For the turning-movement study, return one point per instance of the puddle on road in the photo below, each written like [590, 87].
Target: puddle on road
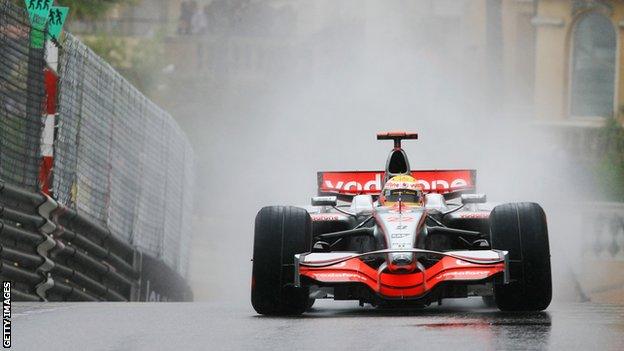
[482, 324]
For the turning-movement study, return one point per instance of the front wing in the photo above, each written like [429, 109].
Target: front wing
[347, 267]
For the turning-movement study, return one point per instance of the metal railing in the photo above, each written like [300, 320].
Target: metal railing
[603, 230]
[52, 253]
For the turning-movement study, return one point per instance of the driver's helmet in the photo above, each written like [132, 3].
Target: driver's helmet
[404, 188]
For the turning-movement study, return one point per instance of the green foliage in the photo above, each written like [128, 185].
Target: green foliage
[136, 59]
[91, 9]
[139, 60]
[610, 170]
[87, 9]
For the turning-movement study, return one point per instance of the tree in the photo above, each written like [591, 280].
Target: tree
[87, 10]
[93, 9]
[135, 58]
[610, 168]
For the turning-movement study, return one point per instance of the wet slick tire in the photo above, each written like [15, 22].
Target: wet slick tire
[521, 229]
[280, 233]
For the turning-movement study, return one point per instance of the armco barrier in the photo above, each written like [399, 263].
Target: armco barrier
[159, 284]
[600, 274]
[52, 253]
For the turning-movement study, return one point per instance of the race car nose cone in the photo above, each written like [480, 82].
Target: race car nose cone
[401, 260]
[402, 263]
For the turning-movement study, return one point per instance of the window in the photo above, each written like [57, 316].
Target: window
[593, 66]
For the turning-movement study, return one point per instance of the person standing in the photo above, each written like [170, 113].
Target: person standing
[199, 21]
[186, 15]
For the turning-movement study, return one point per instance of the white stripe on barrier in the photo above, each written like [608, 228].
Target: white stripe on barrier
[47, 137]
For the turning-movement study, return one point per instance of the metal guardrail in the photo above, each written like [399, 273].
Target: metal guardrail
[603, 230]
[52, 253]
[587, 241]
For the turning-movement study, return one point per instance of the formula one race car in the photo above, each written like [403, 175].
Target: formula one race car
[400, 238]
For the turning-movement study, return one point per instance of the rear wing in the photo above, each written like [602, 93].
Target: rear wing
[348, 184]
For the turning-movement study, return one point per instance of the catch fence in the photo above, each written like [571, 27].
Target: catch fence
[120, 159]
[21, 98]
[121, 169]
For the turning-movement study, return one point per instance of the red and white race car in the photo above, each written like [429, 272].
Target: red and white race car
[400, 238]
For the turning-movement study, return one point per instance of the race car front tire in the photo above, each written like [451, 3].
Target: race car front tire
[280, 233]
[521, 229]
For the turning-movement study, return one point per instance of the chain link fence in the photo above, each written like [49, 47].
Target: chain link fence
[120, 159]
[22, 97]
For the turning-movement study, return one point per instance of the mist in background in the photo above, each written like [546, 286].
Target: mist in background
[270, 100]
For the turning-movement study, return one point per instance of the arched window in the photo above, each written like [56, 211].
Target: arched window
[593, 66]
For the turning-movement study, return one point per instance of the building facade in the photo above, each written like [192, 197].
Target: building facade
[564, 57]
[551, 60]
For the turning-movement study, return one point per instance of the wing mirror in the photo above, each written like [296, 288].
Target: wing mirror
[473, 199]
[324, 201]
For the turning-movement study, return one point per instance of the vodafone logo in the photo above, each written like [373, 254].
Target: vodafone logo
[462, 263]
[371, 182]
[339, 276]
[325, 217]
[375, 185]
[443, 184]
[474, 215]
[467, 274]
[354, 186]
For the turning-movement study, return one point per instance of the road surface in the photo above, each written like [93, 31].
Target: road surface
[331, 326]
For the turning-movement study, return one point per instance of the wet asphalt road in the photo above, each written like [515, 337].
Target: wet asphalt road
[331, 326]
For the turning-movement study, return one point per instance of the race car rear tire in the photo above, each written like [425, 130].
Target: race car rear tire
[521, 229]
[280, 233]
